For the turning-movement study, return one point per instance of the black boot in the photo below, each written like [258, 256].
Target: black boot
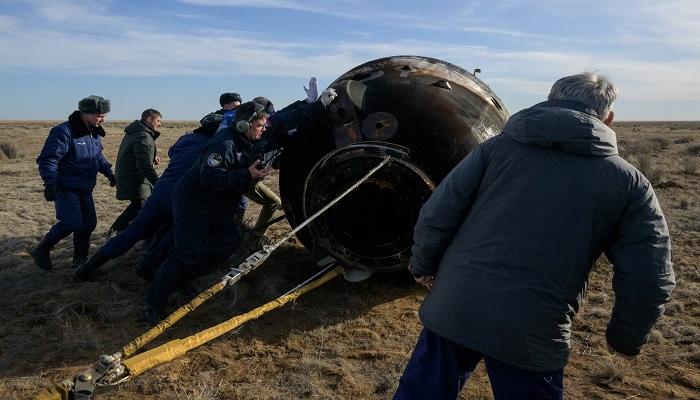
[79, 258]
[42, 255]
[84, 273]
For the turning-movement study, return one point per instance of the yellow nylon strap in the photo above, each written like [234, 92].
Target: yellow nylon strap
[175, 348]
[153, 333]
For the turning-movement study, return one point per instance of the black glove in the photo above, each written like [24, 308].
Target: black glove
[50, 192]
[112, 180]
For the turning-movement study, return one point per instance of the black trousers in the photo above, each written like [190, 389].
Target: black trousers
[129, 213]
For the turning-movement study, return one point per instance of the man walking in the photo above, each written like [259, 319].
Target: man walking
[155, 218]
[136, 173]
[68, 165]
[506, 243]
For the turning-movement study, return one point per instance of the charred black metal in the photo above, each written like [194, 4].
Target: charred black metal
[426, 113]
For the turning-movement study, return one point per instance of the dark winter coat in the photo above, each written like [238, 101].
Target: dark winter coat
[72, 155]
[512, 232]
[136, 174]
[220, 176]
[182, 155]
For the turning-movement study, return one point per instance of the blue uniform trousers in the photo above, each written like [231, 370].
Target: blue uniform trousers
[154, 215]
[203, 239]
[157, 252]
[439, 368]
[75, 212]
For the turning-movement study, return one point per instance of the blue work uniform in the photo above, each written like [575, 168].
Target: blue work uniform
[70, 160]
[207, 198]
[229, 117]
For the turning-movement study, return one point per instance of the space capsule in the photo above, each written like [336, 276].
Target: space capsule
[425, 113]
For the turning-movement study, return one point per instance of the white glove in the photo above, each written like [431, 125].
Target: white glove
[327, 96]
[312, 91]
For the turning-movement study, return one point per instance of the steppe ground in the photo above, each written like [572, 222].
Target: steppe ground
[343, 340]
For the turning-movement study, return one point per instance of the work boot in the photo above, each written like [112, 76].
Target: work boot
[42, 255]
[84, 273]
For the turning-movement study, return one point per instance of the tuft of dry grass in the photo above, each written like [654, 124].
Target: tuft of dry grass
[684, 139]
[674, 308]
[206, 389]
[655, 337]
[686, 203]
[687, 330]
[646, 165]
[663, 142]
[630, 148]
[9, 150]
[608, 374]
[693, 150]
[690, 165]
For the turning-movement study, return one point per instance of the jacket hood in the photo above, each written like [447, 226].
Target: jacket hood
[140, 126]
[79, 129]
[564, 125]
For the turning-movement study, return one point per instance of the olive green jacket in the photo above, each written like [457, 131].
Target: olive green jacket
[134, 168]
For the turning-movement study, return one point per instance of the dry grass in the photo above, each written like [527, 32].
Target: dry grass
[343, 340]
[690, 165]
[638, 147]
[645, 163]
[8, 150]
[663, 142]
[608, 374]
[683, 140]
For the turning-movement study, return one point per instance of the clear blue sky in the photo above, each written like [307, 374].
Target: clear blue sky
[178, 56]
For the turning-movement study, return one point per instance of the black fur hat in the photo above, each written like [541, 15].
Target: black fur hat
[229, 98]
[94, 105]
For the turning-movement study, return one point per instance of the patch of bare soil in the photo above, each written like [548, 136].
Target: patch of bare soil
[343, 340]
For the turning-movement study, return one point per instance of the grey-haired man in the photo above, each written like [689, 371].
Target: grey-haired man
[507, 241]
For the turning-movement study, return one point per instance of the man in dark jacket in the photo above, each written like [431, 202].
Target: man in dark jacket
[506, 243]
[136, 174]
[68, 165]
[207, 198]
[204, 204]
[155, 218]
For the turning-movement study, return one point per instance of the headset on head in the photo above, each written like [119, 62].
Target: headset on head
[243, 125]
